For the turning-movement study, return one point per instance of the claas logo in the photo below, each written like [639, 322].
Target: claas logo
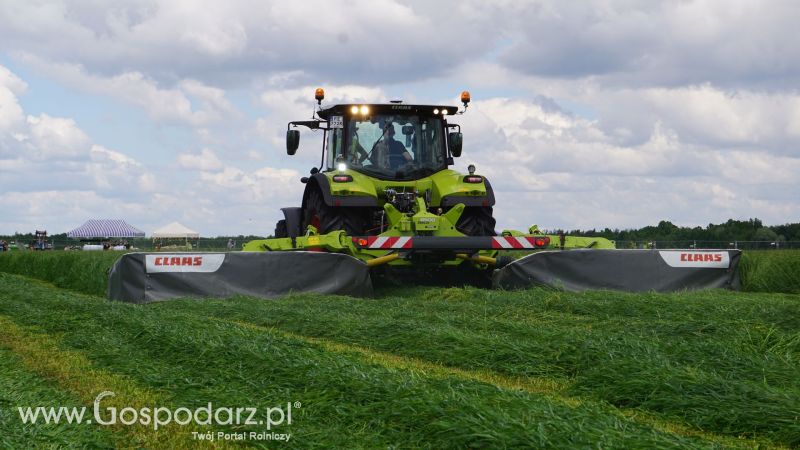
[701, 257]
[179, 261]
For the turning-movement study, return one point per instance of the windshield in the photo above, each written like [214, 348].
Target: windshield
[397, 147]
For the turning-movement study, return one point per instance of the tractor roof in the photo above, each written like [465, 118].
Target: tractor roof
[388, 108]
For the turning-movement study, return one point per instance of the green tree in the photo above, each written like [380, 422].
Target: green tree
[765, 234]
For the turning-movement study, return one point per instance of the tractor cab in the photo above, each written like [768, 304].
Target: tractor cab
[390, 142]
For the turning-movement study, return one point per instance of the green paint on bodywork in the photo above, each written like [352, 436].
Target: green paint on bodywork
[420, 222]
[441, 184]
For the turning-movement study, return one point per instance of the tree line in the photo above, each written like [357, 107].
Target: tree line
[732, 230]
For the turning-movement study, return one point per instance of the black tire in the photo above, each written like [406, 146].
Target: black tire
[280, 229]
[329, 218]
[477, 221]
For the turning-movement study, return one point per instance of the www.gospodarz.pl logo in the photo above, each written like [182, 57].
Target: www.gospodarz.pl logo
[159, 416]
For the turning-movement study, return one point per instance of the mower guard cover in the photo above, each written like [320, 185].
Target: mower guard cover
[148, 277]
[623, 270]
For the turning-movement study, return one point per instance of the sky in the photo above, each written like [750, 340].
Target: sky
[584, 115]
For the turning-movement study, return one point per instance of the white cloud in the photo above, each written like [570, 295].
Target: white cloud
[730, 43]
[118, 173]
[206, 160]
[12, 118]
[566, 172]
[179, 40]
[56, 177]
[211, 99]
[55, 137]
[12, 82]
[260, 185]
[47, 153]
[704, 115]
[166, 105]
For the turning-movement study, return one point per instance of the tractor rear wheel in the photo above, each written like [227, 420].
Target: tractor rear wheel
[477, 221]
[280, 229]
[330, 218]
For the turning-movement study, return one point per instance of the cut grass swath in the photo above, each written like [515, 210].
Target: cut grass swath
[73, 372]
[553, 390]
[719, 361]
[20, 387]
[346, 401]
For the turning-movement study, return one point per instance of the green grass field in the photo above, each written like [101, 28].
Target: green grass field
[413, 367]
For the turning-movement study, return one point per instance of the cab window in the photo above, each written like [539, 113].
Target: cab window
[334, 147]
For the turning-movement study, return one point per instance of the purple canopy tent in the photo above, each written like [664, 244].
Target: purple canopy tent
[105, 228]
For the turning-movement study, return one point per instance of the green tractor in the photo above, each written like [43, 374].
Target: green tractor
[387, 193]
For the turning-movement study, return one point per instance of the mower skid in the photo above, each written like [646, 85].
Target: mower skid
[623, 270]
[451, 242]
[148, 277]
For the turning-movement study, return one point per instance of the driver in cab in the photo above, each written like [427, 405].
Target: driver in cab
[397, 154]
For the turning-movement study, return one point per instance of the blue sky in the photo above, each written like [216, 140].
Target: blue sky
[584, 115]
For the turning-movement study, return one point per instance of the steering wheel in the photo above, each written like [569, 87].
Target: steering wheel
[409, 165]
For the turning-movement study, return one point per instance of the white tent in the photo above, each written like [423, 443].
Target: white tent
[175, 230]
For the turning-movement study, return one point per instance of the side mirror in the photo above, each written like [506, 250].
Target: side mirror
[292, 141]
[454, 141]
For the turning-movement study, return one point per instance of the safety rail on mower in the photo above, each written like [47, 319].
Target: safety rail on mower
[464, 248]
[451, 243]
[378, 250]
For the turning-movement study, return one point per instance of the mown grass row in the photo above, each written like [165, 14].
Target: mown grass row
[72, 372]
[347, 401]
[770, 271]
[720, 361]
[20, 387]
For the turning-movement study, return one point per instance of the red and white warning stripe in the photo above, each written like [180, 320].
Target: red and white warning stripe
[516, 242]
[444, 243]
[389, 242]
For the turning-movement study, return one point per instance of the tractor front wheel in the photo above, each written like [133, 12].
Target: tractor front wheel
[280, 229]
[477, 221]
[327, 218]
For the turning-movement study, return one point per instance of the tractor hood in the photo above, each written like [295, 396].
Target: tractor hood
[447, 188]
